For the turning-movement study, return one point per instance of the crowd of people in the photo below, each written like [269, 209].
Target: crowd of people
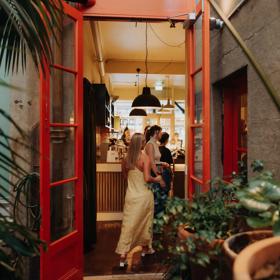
[147, 171]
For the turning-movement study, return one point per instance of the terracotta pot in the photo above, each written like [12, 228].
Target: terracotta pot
[243, 238]
[184, 234]
[255, 256]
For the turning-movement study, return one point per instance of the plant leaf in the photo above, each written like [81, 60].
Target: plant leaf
[276, 228]
[255, 222]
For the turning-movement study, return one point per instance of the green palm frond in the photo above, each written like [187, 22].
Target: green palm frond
[27, 25]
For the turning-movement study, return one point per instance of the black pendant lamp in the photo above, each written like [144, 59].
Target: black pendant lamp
[146, 100]
[137, 112]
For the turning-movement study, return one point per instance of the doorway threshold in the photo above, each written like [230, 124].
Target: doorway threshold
[140, 276]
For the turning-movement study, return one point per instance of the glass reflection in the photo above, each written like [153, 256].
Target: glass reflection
[198, 151]
[198, 117]
[62, 86]
[62, 210]
[62, 153]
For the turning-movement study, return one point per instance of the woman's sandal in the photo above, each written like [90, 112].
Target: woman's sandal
[123, 262]
[145, 252]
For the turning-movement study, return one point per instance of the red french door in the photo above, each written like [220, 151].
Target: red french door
[235, 124]
[199, 100]
[61, 148]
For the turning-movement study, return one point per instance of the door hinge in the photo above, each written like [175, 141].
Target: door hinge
[191, 17]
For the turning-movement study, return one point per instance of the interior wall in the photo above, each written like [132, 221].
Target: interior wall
[258, 24]
[91, 71]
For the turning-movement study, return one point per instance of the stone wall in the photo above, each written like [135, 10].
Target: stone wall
[257, 22]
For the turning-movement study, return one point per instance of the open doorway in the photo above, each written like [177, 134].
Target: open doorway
[113, 51]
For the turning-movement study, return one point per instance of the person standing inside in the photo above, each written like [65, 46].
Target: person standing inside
[166, 156]
[126, 136]
[139, 202]
[146, 133]
[165, 152]
[153, 152]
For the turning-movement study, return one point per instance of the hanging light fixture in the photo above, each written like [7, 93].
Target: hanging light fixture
[168, 106]
[163, 111]
[137, 112]
[146, 100]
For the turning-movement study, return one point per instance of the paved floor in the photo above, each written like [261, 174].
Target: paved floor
[144, 276]
[103, 261]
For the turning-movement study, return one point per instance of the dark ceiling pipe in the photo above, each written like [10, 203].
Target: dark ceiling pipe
[179, 107]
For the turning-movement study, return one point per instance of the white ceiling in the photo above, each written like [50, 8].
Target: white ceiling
[125, 42]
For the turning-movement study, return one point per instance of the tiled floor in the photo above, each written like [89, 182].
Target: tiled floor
[103, 261]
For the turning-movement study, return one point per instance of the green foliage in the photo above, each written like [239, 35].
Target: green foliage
[261, 198]
[17, 239]
[27, 25]
[208, 217]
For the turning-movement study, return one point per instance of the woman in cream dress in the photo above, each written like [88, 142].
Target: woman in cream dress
[139, 201]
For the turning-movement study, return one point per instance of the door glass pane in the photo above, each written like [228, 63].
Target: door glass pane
[198, 42]
[64, 52]
[62, 153]
[242, 133]
[198, 167]
[62, 210]
[62, 87]
[198, 117]
[197, 188]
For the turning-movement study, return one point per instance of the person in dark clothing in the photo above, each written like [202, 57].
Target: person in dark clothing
[165, 152]
[126, 136]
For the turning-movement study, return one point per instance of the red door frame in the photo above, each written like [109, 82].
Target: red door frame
[144, 9]
[56, 261]
[202, 9]
[232, 92]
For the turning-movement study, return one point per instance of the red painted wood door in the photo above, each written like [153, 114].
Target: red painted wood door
[235, 112]
[61, 150]
[198, 57]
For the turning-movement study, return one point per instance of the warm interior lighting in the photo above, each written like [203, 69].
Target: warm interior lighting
[158, 85]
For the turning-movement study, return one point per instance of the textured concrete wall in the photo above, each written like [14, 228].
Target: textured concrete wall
[257, 22]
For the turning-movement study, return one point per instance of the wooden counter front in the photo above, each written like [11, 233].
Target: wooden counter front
[111, 188]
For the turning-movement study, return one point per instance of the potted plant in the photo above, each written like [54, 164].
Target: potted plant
[259, 261]
[258, 199]
[201, 224]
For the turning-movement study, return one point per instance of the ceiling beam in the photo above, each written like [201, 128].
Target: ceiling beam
[154, 67]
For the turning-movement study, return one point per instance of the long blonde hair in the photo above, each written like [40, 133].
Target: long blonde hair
[134, 150]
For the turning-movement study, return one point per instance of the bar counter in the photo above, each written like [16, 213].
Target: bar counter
[111, 188]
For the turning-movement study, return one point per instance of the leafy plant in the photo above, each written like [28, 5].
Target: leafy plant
[26, 28]
[27, 25]
[261, 197]
[209, 217]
